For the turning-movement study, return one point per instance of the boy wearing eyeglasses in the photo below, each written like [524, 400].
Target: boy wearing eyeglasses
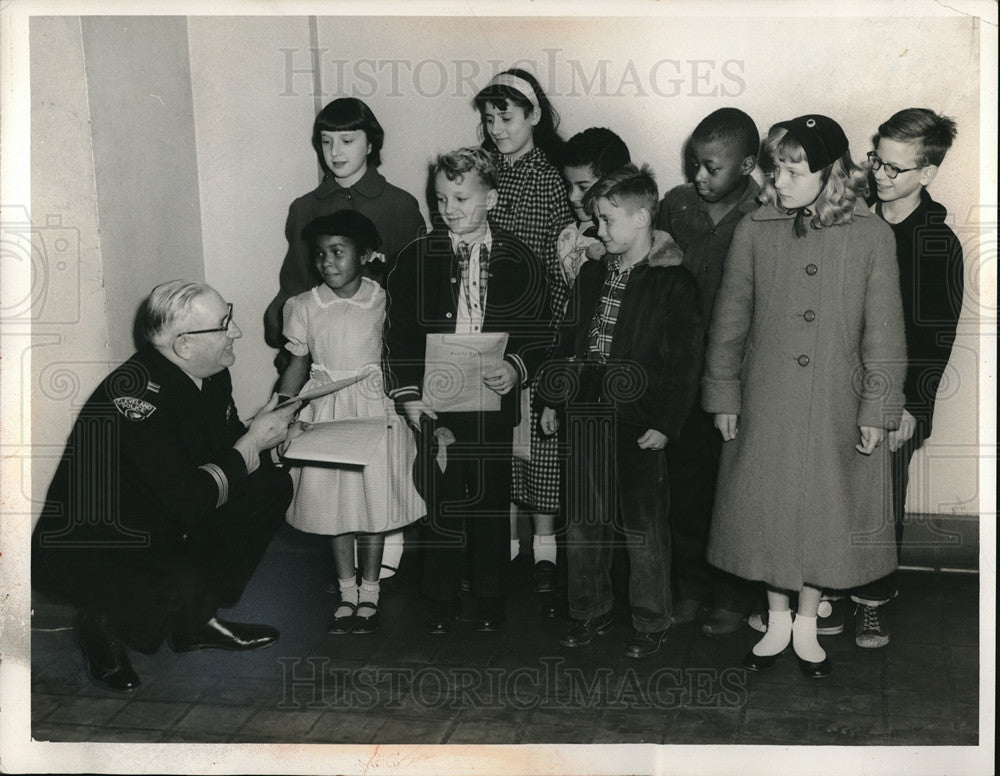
[909, 149]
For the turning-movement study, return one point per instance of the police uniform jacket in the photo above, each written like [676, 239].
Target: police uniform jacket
[149, 460]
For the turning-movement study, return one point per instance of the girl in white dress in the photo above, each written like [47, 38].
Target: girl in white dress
[334, 331]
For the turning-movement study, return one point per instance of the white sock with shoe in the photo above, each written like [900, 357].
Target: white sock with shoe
[348, 597]
[804, 640]
[779, 633]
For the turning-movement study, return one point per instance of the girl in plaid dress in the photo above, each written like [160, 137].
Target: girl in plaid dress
[519, 129]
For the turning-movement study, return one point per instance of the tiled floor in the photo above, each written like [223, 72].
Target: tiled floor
[520, 686]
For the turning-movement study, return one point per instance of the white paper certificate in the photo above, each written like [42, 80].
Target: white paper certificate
[353, 441]
[454, 366]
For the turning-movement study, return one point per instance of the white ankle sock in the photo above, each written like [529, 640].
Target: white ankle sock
[804, 640]
[348, 595]
[368, 594]
[515, 548]
[544, 548]
[779, 633]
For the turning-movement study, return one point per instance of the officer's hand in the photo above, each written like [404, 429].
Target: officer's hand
[270, 426]
[293, 431]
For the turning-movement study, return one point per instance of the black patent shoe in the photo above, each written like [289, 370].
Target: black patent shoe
[643, 644]
[820, 670]
[582, 632]
[490, 616]
[107, 661]
[341, 626]
[232, 636]
[545, 576]
[755, 662]
[370, 621]
[443, 618]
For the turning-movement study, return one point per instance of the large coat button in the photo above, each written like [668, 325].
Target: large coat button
[447, 315]
[809, 315]
[803, 360]
[811, 269]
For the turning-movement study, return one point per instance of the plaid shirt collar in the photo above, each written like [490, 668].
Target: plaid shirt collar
[534, 158]
[487, 241]
[612, 261]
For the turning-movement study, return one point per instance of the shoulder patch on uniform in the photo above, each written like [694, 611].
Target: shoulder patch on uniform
[134, 409]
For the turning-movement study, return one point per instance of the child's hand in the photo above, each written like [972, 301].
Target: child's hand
[726, 423]
[652, 440]
[501, 379]
[907, 425]
[549, 421]
[414, 409]
[871, 437]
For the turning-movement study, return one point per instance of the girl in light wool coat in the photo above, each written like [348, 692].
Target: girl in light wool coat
[804, 373]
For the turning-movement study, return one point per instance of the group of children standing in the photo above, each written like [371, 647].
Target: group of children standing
[722, 383]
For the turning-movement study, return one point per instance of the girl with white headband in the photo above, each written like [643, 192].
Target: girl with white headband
[519, 129]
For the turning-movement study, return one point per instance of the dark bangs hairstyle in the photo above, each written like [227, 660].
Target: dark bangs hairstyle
[347, 114]
[501, 97]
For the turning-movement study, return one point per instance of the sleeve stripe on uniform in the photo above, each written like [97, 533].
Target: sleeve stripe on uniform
[405, 390]
[221, 481]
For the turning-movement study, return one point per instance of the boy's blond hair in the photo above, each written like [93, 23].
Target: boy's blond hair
[455, 164]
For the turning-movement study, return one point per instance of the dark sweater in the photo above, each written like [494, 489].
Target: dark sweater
[931, 279]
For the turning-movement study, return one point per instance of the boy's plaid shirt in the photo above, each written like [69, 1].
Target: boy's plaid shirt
[602, 329]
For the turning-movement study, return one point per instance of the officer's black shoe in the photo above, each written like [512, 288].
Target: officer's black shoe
[219, 634]
[107, 661]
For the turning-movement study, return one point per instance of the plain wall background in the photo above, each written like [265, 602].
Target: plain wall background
[173, 146]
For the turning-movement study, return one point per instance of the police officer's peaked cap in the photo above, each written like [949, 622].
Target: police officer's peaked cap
[820, 137]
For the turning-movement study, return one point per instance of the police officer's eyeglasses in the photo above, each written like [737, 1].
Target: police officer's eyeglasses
[223, 327]
[891, 170]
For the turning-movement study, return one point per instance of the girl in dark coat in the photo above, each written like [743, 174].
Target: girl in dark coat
[806, 356]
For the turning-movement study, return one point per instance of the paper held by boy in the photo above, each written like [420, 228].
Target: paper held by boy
[454, 365]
